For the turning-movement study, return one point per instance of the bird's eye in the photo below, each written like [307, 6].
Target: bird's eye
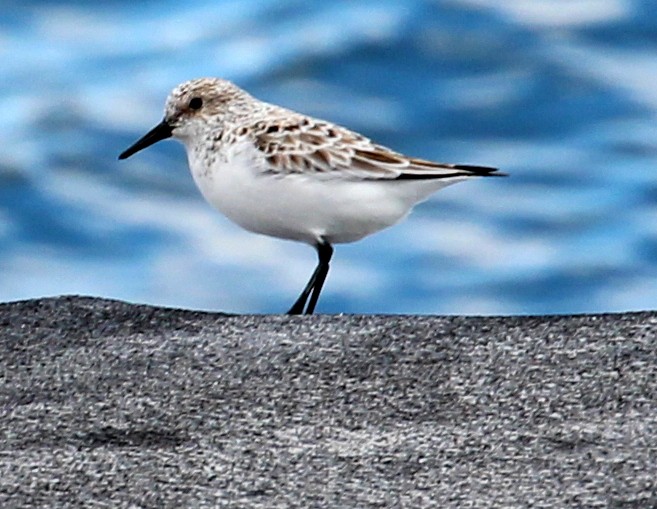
[195, 103]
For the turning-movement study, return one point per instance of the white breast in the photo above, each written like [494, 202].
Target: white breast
[302, 207]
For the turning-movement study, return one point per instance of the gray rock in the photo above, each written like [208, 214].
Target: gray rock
[109, 404]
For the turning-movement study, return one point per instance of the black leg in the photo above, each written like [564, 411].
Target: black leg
[315, 283]
[300, 303]
[324, 251]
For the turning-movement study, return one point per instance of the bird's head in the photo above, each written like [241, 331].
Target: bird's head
[191, 108]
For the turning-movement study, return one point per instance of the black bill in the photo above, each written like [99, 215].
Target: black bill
[160, 132]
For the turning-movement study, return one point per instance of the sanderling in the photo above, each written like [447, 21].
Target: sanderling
[280, 173]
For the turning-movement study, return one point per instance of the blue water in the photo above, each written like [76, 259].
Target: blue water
[560, 94]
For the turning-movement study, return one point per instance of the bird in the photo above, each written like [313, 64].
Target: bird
[284, 174]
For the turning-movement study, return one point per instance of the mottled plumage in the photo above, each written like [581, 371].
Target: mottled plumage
[280, 173]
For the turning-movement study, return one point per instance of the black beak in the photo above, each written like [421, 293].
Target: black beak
[160, 132]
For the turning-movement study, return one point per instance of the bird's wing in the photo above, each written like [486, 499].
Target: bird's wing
[303, 145]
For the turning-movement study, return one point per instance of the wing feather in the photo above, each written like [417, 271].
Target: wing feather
[295, 144]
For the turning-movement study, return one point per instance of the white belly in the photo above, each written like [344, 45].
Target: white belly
[301, 207]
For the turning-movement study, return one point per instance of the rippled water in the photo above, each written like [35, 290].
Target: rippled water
[559, 93]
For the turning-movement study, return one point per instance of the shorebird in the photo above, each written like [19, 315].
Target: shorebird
[280, 173]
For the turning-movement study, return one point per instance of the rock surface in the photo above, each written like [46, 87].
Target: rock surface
[109, 404]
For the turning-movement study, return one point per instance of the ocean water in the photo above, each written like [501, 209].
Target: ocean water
[560, 94]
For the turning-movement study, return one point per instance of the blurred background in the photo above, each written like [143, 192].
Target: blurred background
[561, 94]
